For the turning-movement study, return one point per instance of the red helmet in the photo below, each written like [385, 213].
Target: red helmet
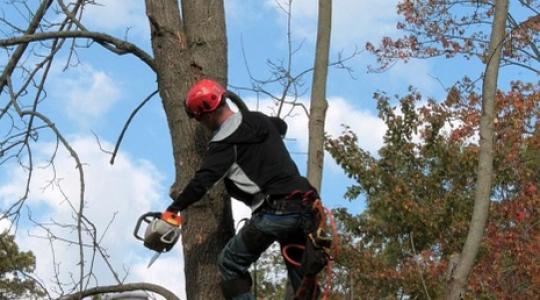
[203, 97]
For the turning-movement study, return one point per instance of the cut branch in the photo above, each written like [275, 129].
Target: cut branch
[121, 137]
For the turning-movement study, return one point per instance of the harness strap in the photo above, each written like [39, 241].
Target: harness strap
[318, 248]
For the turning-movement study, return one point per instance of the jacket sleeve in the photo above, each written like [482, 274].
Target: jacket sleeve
[218, 160]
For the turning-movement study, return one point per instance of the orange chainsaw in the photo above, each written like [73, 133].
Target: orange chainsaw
[162, 232]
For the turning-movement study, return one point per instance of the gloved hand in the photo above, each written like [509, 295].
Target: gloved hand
[174, 192]
[171, 217]
[172, 209]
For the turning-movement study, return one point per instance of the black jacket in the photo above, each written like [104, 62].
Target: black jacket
[249, 154]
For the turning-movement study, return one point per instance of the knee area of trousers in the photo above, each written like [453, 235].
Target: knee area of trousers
[236, 286]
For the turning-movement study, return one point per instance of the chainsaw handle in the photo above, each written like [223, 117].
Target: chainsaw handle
[145, 218]
[170, 236]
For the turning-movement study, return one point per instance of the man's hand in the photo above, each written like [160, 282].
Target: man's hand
[174, 192]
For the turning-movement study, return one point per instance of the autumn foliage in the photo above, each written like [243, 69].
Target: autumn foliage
[449, 28]
[419, 190]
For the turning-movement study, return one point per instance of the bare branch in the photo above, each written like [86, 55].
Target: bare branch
[14, 59]
[75, 156]
[506, 62]
[74, 19]
[292, 85]
[524, 3]
[12, 97]
[167, 294]
[121, 137]
[99, 144]
[525, 23]
[123, 47]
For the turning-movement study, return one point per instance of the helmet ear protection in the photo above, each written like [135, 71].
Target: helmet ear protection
[203, 97]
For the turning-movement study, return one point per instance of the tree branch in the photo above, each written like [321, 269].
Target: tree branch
[75, 156]
[420, 270]
[121, 137]
[20, 49]
[122, 288]
[124, 47]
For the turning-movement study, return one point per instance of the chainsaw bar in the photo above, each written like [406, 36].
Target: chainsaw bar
[153, 259]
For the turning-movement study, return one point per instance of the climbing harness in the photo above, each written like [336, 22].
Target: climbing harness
[320, 249]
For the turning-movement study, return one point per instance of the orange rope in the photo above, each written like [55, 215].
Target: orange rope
[322, 213]
[335, 250]
[288, 258]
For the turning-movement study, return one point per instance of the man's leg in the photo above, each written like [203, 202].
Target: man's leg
[305, 287]
[295, 254]
[239, 253]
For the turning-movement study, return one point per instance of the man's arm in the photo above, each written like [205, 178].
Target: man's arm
[217, 162]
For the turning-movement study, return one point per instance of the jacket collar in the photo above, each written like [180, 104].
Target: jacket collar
[227, 128]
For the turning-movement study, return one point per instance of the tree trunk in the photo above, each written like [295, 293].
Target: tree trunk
[318, 106]
[457, 285]
[188, 47]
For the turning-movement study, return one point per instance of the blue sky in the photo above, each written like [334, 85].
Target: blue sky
[99, 94]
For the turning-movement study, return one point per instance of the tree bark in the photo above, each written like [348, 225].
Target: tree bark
[186, 50]
[318, 106]
[457, 285]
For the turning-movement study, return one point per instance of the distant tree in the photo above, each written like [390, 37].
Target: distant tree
[15, 269]
[451, 28]
[420, 193]
[487, 30]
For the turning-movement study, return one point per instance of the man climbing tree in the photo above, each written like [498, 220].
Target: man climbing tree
[248, 152]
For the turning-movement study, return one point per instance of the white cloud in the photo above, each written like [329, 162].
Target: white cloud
[415, 72]
[88, 94]
[167, 271]
[369, 128]
[118, 16]
[120, 193]
[353, 22]
[115, 197]
[5, 224]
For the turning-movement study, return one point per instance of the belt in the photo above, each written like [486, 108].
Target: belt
[280, 204]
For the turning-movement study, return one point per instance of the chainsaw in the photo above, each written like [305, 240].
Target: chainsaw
[161, 234]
